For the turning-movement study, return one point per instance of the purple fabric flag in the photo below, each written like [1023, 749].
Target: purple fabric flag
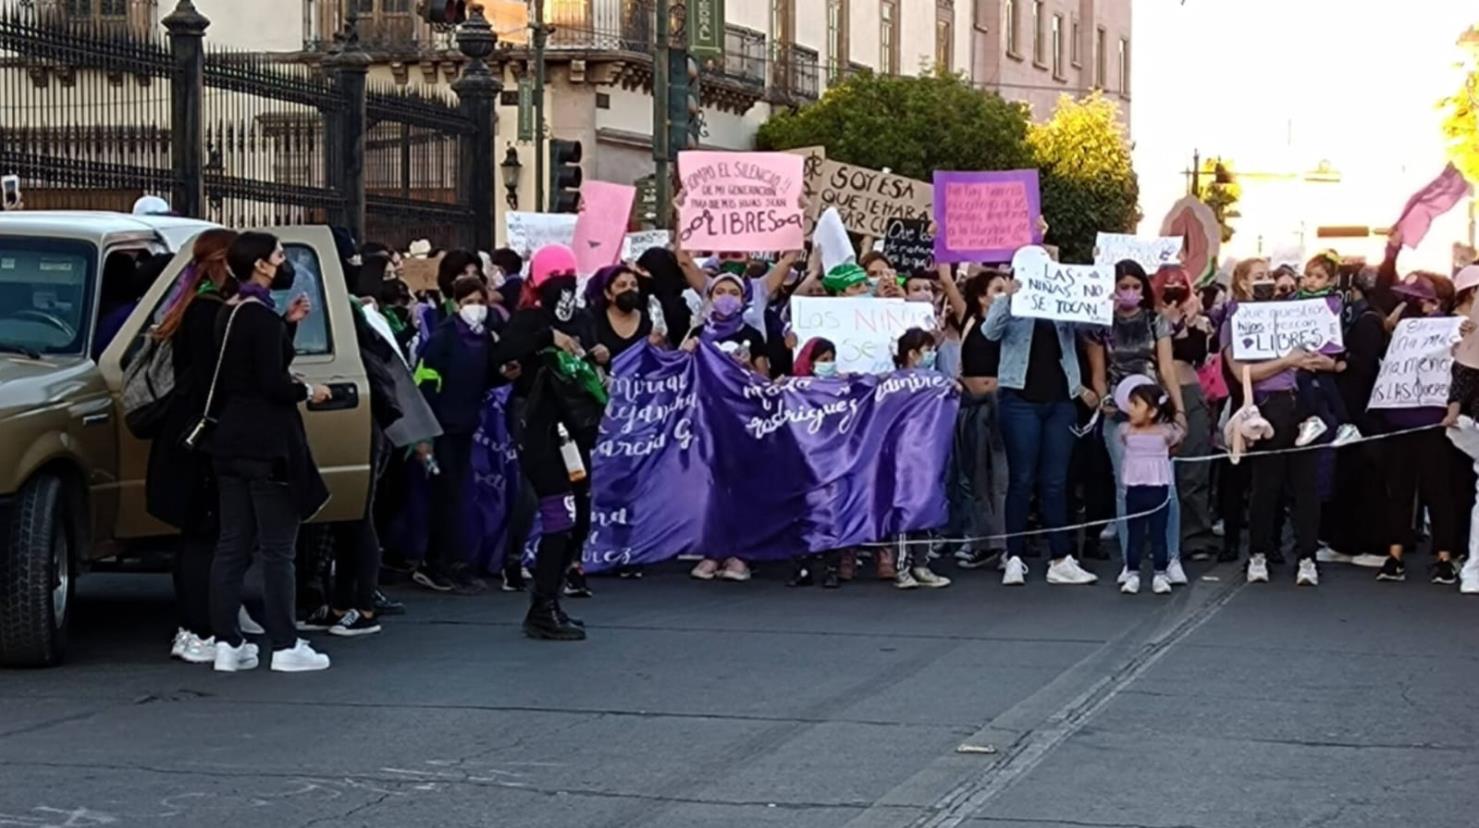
[1432, 201]
[697, 454]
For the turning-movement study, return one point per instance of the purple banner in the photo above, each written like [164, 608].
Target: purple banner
[986, 216]
[698, 455]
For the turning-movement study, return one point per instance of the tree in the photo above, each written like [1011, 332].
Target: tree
[912, 125]
[1221, 193]
[1087, 178]
[1461, 123]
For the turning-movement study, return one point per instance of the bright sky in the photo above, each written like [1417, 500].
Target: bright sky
[1277, 86]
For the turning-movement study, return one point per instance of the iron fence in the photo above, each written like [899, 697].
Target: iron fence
[412, 156]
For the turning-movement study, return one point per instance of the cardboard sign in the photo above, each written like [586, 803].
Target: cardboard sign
[1068, 293]
[1150, 253]
[525, 233]
[605, 212]
[985, 216]
[908, 244]
[741, 201]
[421, 274]
[1416, 371]
[830, 241]
[863, 328]
[635, 244]
[1269, 330]
[866, 199]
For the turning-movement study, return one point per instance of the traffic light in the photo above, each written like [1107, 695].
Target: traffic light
[685, 102]
[443, 12]
[564, 176]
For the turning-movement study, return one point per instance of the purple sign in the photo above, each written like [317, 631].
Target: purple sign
[986, 216]
[698, 455]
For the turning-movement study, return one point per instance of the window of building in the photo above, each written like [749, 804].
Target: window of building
[1058, 46]
[888, 37]
[1039, 46]
[1099, 58]
[96, 8]
[945, 34]
[837, 56]
[744, 54]
[1074, 41]
[780, 43]
[804, 74]
[1124, 67]
[1009, 25]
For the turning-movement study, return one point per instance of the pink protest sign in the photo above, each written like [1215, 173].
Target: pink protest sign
[985, 216]
[605, 209]
[741, 201]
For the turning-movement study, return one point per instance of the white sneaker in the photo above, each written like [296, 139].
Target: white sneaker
[1327, 555]
[248, 625]
[1016, 572]
[1369, 561]
[182, 638]
[1345, 434]
[905, 580]
[927, 578]
[1219, 529]
[300, 659]
[1124, 575]
[1175, 574]
[1161, 584]
[1309, 431]
[1468, 580]
[1257, 569]
[229, 659]
[1129, 586]
[202, 650]
[1308, 575]
[1067, 571]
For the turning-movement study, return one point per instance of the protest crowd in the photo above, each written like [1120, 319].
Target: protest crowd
[941, 395]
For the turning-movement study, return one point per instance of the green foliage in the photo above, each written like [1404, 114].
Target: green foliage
[912, 125]
[1221, 195]
[1088, 179]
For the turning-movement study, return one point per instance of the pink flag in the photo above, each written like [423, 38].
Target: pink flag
[1432, 201]
[605, 210]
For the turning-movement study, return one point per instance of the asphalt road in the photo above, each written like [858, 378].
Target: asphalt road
[755, 705]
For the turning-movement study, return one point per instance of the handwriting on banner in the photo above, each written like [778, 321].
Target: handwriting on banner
[1150, 253]
[908, 244]
[1269, 330]
[635, 244]
[863, 328]
[866, 199]
[985, 216]
[1068, 293]
[1416, 371]
[741, 201]
[525, 233]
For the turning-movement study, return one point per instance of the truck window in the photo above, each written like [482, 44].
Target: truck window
[45, 294]
[313, 332]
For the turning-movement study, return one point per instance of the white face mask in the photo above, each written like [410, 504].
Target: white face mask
[474, 315]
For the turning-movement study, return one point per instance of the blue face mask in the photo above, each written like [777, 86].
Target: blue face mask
[824, 369]
[927, 360]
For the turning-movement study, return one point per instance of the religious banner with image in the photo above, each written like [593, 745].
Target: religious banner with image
[1417, 368]
[985, 216]
[740, 201]
[1269, 330]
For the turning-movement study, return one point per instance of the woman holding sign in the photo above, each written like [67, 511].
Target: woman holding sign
[1039, 378]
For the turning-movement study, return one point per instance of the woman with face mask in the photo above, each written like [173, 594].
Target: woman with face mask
[978, 475]
[621, 317]
[265, 472]
[536, 334]
[817, 358]
[1136, 343]
[1191, 342]
[915, 351]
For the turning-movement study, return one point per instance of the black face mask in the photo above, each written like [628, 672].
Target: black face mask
[284, 277]
[628, 300]
[557, 295]
[1175, 295]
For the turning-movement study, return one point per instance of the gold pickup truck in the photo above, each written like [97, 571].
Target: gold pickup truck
[71, 474]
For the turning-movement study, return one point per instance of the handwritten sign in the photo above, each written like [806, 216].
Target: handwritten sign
[421, 273]
[1416, 371]
[525, 233]
[741, 201]
[866, 199]
[1268, 330]
[908, 244]
[1069, 293]
[985, 216]
[605, 212]
[863, 328]
[635, 244]
[1150, 253]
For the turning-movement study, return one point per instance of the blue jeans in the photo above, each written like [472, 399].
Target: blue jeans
[1152, 526]
[1039, 446]
[1116, 448]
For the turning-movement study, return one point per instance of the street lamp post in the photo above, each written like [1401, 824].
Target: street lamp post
[511, 168]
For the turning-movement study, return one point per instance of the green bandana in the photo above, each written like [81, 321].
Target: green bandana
[576, 370]
[733, 266]
[843, 276]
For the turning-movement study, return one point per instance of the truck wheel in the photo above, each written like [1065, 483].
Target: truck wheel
[36, 581]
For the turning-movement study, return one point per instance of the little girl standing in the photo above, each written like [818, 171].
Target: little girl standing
[1147, 476]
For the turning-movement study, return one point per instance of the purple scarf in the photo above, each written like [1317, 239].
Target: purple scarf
[252, 290]
[716, 327]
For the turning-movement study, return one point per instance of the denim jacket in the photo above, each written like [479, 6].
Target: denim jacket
[1015, 335]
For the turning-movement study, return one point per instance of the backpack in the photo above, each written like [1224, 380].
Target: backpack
[148, 384]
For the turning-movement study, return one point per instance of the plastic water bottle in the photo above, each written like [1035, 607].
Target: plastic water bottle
[570, 453]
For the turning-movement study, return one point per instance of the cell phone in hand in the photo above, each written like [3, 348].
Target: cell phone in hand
[10, 192]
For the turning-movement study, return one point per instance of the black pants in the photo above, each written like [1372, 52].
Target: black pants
[357, 544]
[1090, 487]
[1233, 482]
[1271, 472]
[1355, 521]
[258, 515]
[192, 577]
[559, 512]
[447, 546]
[1419, 470]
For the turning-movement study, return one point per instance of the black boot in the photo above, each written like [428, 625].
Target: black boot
[831, 579]
[542, 622]
[565, 618]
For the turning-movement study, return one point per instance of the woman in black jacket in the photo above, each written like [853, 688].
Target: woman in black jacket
[180, 488]
[266, 475]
